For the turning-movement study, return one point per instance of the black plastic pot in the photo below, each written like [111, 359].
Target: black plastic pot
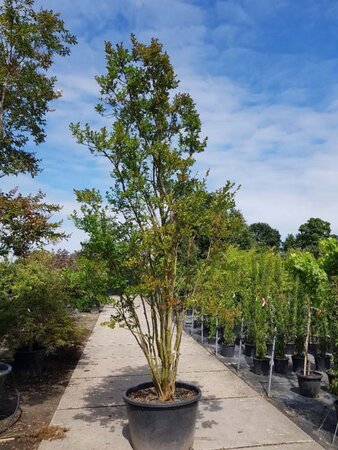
[249, 350]
[227, 350]
[261, 366]
[5, 370]
[281, 365]
[269, 348]
[313, 348]
[30, 361]
[297, 362]
[290, 348]
[165, 426]
[323, 362]
[309, 385]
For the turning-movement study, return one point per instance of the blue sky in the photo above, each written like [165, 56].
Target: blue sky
[264, 75]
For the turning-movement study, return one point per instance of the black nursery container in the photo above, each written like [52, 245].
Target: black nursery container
[297, 362]
[227, 350]
[162, 426]
[309, 385]
[5, 370]
[30, 361]
[249, 350]
[261, 366]
[281, 365]
[323, 363]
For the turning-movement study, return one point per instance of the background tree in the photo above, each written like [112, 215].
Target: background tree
[311, 233]
[289, 243]
[25, 223]
[265, 235]
[29, 40]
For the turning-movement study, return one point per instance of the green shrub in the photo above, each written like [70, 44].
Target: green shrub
[87, 283]
[34, 302]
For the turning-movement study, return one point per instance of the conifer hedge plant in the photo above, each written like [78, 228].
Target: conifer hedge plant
[157, 208]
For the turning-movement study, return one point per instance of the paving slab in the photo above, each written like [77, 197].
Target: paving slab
[231, 414]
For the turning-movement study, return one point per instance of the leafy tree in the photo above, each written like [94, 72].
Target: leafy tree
[289, 243]
[265, 235]
[311, 233]
[87, 283]
[156, 205]
[25, 223]
[313, 280]
[29, 40]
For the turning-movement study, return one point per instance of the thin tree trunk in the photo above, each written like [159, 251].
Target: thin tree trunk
[306, 344]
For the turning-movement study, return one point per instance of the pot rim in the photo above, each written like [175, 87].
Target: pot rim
[162, 405]
[265, 358]
[5, 369]
[314, 375]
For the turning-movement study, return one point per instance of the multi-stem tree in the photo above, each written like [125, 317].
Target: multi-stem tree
[157, 206]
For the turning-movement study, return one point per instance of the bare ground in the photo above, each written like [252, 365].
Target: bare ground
[39, 398]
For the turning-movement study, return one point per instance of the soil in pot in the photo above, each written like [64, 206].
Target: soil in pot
[297, 362]
[167, 426]
[309, 385]
[5, 370]
[261, 366]
[30, 361]
[323, 362]
[249, 350]
[227, 350]
[281, 364]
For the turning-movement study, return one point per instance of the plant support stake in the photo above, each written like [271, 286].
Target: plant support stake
[216, 335]
[192, 321]
[240, 345]
[272, 362]
[202, 327]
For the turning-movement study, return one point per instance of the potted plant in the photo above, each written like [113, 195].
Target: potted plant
[261, 362]
[37, 319]
[157, 209]
[281, 361]
[298, 357]
[314, 281]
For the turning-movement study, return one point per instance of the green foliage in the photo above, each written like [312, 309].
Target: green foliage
[217, 293]
[265, 236]
[289, 243]
[25, 223]
[29, 41]
[314, 283]
[33, 302]
[311, 233]
[87, 283]
[328, 249]
[311, 275]
[156, 207]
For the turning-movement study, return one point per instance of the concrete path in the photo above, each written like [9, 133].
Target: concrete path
[231, 414]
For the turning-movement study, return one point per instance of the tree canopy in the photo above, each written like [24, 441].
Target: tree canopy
[25, 223]
[264, 235]
[157, 206]
[29, 40]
